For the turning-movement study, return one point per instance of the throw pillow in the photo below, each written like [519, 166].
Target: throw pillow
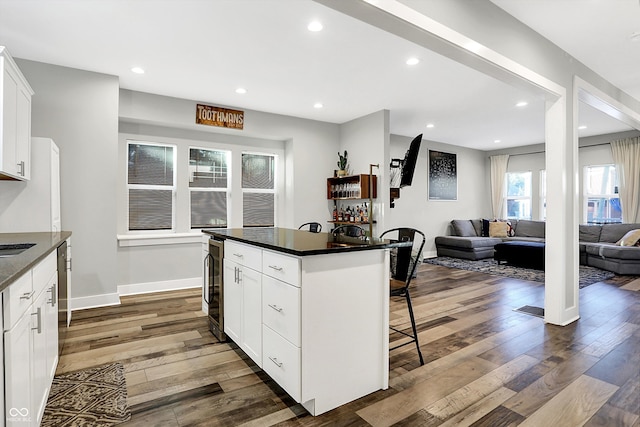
[463, 228]
[630, 239]
[498, 229]
[485, 228]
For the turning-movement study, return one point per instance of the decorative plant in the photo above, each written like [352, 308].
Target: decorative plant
[342, 161]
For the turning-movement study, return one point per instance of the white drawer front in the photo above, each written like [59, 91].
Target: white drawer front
[282, 267]
[16, 299]
[281, 360]
[248, 256]
[43, 271]
[281, 308]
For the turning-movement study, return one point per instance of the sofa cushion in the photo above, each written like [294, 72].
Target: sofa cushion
[498, 229]
[611, 233]
[477, 225]
[589, 233]
[610, 250]
[631, 238]
[463, 228]
[467, 242]
[528, 228]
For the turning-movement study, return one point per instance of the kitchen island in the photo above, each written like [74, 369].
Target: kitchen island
[311, 309]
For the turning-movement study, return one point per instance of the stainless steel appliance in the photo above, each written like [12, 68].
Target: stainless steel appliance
[213, 292]
[63, 298]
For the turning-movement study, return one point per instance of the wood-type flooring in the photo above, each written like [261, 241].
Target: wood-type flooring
[485, 364]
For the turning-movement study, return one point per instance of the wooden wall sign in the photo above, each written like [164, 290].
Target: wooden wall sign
[217, 116]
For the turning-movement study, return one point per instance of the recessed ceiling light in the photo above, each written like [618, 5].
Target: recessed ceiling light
[318, 105]
[522, 104]
[137, 70]
[413, 61]
[582, 127]
[430, 125]
[315, 26]
[241, 90]
[497, 141]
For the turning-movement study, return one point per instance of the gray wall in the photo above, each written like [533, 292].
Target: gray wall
[310, 152]
[414, 209]
[79, 111]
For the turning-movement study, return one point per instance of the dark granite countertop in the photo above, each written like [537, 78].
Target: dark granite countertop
[11, 268]
[300, 243]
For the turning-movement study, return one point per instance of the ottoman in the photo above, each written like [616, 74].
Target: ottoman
[520, 254]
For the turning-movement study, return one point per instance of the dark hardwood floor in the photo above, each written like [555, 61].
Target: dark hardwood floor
[485, 364]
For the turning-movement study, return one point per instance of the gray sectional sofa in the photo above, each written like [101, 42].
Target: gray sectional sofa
[597, 243]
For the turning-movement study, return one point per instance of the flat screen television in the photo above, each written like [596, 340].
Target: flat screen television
[409, 162]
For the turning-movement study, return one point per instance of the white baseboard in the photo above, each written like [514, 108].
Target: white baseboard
[430, 254]
[165, 285]
[80, 303]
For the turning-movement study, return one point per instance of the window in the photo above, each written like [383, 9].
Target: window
[602, 204]
[151, 186]
[258, 190]
[543, 195]
[208, 187]
[518, 200]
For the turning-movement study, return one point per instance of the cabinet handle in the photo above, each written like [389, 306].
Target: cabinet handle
[70, 268]
[275, 307]
[39, 314]
[238, 255]
[21, 171]
[275, 360]
[27, 295]
[54, 297]
[276, 268]
[239, 275]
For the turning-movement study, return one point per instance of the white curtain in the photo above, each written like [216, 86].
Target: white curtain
[498, 171]
[626, 156]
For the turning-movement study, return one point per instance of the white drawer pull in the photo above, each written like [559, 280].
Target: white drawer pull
[275, 360]
[276, 268]
[275, 307]
[27, 295]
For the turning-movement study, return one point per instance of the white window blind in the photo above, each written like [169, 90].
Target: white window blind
[258, 190]
[208, 187]
[151, 186]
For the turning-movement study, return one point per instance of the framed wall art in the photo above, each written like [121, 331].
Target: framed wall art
[443, 176]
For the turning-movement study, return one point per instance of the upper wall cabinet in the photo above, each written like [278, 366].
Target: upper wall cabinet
[15, 121]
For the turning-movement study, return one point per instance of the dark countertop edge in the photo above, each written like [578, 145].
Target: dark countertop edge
[323, 251]
[35, 254]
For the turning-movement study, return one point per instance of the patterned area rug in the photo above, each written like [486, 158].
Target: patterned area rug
[588, 275]
[91, 397]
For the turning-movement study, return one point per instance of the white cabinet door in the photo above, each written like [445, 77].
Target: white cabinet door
[252, 313]
[9, 122]
[39, 374]
[232, 301]
[50, 324]
[23, 133]
[18, 384]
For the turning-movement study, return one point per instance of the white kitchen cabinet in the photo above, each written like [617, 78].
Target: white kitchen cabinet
[15, 121]
[232, 301]
[243, 298]
[324, 329]
[18, 384]
[30, 342]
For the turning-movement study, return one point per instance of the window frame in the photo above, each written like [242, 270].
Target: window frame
[173, 188]
[227, 189]
[273, 191]
[586, 195]
[507, 198]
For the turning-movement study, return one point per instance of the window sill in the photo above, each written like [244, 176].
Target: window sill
[130, 240]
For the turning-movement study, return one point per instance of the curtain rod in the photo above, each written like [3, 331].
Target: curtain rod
[542, 152]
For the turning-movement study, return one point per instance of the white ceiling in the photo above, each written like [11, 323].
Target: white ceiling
[204, 50]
